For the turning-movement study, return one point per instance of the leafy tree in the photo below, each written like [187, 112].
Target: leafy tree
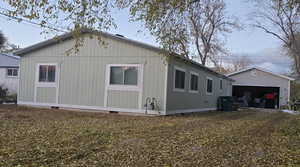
[192, 28]
[295, 90]
[2, 40]
[5, 46]
[9, 47]
[63, 15]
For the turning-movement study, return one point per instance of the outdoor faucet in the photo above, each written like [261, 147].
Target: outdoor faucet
[148, 101]
[152, 102]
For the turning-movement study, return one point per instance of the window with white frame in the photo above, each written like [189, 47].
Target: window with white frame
[47, 73]
[12, 72]
[179, 81]
[209, 86]
[221, 84]
[194, 82]
[124, 75]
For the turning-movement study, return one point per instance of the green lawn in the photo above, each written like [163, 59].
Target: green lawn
[42, 137]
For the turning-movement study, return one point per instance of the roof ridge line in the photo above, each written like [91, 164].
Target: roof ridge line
[261, 69]
[11, 56]
[68, 35]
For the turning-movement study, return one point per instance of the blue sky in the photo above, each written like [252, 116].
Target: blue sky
[260, 47]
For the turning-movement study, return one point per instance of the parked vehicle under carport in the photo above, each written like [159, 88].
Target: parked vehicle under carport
[257, 96]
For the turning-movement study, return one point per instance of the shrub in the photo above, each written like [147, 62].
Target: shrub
[285, 107]
[11, 98]
[3, 94]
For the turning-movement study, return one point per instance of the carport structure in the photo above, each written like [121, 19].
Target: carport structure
[261, 88]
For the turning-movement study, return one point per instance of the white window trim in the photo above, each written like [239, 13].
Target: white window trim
[174, 75]
[46, 84]
[212, 90]
[12, 68]
[221, 90]
[137, 87]
[190, 89]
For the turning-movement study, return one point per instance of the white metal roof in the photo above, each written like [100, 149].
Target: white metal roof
[261, 69]
[8, 60]
[69, 35]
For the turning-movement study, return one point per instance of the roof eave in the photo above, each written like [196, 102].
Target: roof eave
[205, 68]
[247, 69]
[69, 35]
[85, 31]
[43, 44]
[9, 66]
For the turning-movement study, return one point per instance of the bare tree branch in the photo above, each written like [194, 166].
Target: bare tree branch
[281, 19]
[271, 32]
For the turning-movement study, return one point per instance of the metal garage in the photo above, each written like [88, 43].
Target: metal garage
[257, 87]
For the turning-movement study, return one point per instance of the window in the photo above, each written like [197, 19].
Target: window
[12, 72]
[47, 73]
[179, 79]
[194, 82]
[209, 86]
[123, 75]
[221, 84]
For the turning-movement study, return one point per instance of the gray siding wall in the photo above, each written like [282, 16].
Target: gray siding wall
[27, 80]
[128, 100]
[193, 101]
[82, 76]
[46, 95]
[264, 79]
[11, 83]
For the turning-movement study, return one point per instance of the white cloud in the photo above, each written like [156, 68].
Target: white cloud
[273, 67]
[271, 59]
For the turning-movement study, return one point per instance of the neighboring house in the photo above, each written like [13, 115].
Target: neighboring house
[9, 70]
[123, 75]
[258, 82]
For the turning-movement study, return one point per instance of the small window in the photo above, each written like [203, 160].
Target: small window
[123, 75]
[209, 86]
[194, 82]
[221, 84]
[47, 73]
[179, 79]
[12, 72]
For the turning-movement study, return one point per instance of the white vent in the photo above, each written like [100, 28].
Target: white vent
[253, 72]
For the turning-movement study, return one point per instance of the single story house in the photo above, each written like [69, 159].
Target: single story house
[9, 71]
[257, 82]
[120, 75]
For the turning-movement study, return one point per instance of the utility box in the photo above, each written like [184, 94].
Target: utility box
[226, 103]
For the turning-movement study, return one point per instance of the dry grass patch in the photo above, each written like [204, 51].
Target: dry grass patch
[42, 137]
